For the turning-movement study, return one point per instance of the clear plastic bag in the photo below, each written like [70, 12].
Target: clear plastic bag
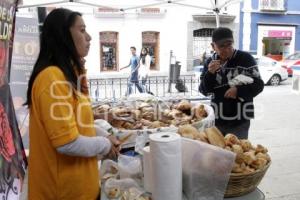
[208, 121]
[206, 170]
[130, 167]
[109, 169]
[124, 189]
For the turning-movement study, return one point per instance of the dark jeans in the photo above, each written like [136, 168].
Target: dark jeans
[144, 84]
[240, 130]
[137, 84]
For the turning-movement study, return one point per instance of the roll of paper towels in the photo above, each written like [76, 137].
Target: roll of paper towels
[147, 169]
[165, 153]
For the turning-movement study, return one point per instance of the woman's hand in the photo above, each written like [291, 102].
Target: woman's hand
[115, 148]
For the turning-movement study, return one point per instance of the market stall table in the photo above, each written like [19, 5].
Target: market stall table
[257, 194]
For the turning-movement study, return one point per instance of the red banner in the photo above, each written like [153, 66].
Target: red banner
[12, 157]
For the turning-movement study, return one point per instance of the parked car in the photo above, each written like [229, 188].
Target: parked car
[290, 61]
[271, 71]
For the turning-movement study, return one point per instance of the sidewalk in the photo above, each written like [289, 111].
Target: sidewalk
[279, 130]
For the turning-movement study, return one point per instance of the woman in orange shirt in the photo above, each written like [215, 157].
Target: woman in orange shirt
[63, 142]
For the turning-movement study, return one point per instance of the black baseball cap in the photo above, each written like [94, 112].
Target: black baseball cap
[222, 35]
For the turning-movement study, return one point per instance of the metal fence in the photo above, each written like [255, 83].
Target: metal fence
[116, 88]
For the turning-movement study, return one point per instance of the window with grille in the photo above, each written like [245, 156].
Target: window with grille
[109, 51]
[201, 44]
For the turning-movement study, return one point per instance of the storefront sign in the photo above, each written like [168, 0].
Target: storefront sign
[279, 34]
[150, 10]
[12, 157]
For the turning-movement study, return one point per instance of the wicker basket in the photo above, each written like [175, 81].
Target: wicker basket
[241, 184]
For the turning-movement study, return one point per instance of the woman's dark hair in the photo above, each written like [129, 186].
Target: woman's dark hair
[57, 48]
[143, 56]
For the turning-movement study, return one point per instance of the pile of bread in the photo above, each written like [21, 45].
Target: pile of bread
[249, 158]
[151, 115]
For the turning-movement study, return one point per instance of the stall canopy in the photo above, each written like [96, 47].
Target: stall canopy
[126, 6]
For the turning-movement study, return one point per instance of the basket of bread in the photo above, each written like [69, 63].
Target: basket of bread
[139, 115]
[251, 162]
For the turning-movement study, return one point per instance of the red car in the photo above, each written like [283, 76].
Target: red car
[290, 61]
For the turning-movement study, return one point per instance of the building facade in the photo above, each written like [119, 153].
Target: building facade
[184, 30]
[270, 27]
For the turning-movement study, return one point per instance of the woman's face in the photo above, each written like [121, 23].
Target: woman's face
[144, 51]
[80, 37]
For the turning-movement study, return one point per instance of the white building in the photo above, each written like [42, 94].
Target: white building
[185, 30]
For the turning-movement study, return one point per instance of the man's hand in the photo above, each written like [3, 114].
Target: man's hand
[214, 66]
[231, 93]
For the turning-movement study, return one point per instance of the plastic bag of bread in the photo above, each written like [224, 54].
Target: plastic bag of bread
[201, 122]
[123, 188]
[130, 167]
[109, 169]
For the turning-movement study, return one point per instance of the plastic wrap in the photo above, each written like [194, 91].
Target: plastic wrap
[130, 167]
[206, 170]
[109, 169]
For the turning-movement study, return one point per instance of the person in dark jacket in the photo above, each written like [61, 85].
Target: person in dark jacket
[232, 78]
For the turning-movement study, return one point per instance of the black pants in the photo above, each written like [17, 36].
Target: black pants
[240, 130]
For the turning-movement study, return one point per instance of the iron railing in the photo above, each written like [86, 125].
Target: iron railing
[102, 89]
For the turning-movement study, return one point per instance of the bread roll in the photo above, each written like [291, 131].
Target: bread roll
[263, 156]
[231, 139]
[259, 163]
[246, 145]
[215, 137]
[261, 149]
[184, 105]
[249, 157]
[202, 137]
[199, 112]
[239, 152]
[188, 129]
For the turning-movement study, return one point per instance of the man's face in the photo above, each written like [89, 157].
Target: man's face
[224, 49]
[133, 51]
